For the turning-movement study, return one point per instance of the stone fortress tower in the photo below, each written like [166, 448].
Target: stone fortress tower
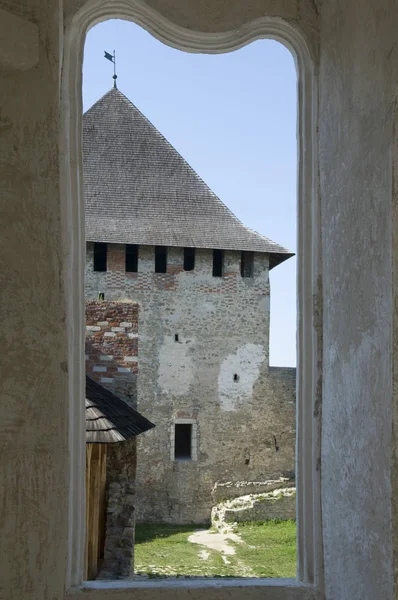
[158, 236]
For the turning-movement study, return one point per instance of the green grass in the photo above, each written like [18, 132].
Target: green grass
[267, 550]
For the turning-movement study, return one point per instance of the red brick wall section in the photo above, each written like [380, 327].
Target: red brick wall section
[112, 346]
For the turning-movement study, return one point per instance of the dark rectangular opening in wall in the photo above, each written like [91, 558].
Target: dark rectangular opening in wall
[131, 258]
[183, 441]
[189, 259]
[246, 264]
[160, 259]
[218, 259]
[100, 254]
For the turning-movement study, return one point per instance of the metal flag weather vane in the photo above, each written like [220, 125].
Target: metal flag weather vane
[112, 58]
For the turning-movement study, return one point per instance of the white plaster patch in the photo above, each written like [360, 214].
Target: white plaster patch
[238, 374]
[176, 367]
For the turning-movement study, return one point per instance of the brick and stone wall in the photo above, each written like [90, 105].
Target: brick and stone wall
[112, 346]
[203, 357]
[112, 361]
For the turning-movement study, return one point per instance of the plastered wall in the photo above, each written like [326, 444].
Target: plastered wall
[245, 428]
[34, 368]
[357, 91]
[33, 460]
[358, 75]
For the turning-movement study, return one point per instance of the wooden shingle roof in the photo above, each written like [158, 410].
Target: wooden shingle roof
[108, 418]
[139, 189]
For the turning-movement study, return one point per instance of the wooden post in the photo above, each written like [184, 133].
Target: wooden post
[94, 493]
[102, 505]
[88, 469]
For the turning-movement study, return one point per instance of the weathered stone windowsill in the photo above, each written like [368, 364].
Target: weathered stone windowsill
[216, 589]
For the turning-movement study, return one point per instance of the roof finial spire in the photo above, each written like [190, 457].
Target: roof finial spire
[112, 58]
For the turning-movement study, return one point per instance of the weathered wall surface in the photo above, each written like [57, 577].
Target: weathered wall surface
[34, 368]
[358, 77]
[245, 429]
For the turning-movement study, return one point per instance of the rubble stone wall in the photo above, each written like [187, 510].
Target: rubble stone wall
[279, 504]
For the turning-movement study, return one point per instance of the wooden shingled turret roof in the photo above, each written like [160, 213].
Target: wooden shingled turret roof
[110, 419]
[139, 189]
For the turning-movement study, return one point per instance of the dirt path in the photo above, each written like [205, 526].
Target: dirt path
[215, 541]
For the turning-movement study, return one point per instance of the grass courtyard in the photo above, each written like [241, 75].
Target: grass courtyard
[253, 550]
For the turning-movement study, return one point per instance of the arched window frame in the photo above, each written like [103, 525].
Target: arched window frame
[309, 531]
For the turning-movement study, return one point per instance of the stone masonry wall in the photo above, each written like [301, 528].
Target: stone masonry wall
[118, 560]
[203, 348]
[112, 361]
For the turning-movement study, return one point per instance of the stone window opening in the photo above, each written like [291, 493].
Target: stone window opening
[176, 337]
[189, 259]
[183, 441]
[218, 263]
[101, 296]
[131, 258]
[160, 259]
[100, 256]
[310, 573]
[246, 264]
[236, 377]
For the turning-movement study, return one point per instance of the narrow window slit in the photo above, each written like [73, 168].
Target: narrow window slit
[189, 259]
[131, 258]
[160, 259]
[100, 256]
[218, 260]
[183, 441]
[246, 264]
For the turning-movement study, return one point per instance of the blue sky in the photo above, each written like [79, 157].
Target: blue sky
[233, 118]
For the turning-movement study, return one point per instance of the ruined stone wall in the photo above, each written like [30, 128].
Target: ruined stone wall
[245, 428]
[277, 504]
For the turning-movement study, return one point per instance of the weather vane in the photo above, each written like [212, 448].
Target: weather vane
[112, 58]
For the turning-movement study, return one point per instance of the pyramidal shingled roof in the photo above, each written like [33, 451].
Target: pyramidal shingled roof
[139, 189]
